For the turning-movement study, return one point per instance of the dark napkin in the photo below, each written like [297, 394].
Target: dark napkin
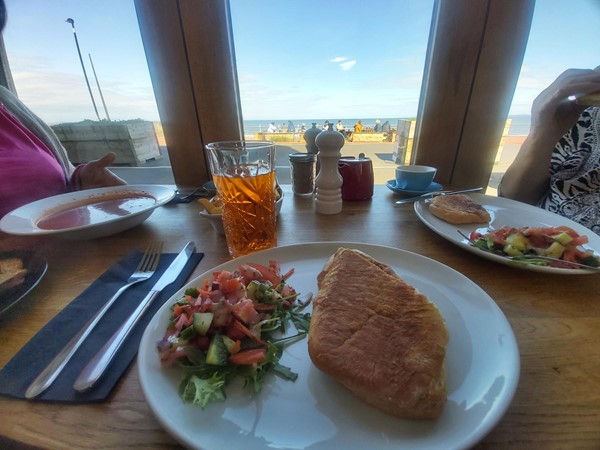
[22, 369]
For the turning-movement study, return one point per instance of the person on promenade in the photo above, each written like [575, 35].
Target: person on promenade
[272, 128]
[377, 126]
[326, 125]
[341, 128]
[33, 162]
[290, 126]
[558, 165]
[358, 126]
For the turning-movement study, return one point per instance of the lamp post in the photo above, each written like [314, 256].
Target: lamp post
[72, 22]
[99, 90]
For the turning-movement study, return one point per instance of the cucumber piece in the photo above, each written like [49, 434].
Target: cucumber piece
[202, 322]
[512, 250]
[555, 250]
[518, 241]
[251, 289]
[217, 352]
[563, 238]
[230, 344]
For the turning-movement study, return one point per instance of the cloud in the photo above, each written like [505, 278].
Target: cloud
[58, 96]
[344, 62]
[348, 64]
[338, 59]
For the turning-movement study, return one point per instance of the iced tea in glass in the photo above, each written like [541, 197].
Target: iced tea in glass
[244, 174]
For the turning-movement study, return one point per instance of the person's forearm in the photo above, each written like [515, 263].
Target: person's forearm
[527, 178]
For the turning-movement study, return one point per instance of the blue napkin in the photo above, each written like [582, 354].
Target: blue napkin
[22, 369]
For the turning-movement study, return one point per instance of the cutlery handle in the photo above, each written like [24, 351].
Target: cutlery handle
[92, 372]
[45, 379]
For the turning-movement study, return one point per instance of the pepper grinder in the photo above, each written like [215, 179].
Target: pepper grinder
[328, 196]
[309, 137]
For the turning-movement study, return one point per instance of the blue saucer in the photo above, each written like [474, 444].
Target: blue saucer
[433, 187]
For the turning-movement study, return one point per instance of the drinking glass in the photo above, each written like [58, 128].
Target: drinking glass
[244, 174]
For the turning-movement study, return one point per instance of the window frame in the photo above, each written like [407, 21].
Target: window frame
[474, 57]
[469, 79]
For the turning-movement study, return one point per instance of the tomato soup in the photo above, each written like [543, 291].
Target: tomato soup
[95, 210]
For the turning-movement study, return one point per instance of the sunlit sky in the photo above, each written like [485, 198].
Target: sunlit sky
[304, 59]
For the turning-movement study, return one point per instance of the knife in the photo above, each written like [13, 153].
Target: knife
[94, 370]
[433, 194]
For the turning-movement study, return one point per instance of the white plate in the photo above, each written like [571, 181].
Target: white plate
[506, 212]
[482, 368]
[24, 220]
[36, 266]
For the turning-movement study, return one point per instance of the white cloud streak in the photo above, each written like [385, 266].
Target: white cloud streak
[348, 65]
[344, 62]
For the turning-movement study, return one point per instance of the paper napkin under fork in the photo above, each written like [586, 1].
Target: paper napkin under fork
[22, 369]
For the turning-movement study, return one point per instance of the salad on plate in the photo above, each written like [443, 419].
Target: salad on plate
[543, 246]
[235, 325]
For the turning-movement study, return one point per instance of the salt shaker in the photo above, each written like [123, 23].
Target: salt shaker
[328, 196]
[302, 166]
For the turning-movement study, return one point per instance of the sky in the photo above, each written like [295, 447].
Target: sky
[300, 60]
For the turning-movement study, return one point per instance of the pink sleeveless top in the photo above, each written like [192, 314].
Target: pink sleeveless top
[28, 170]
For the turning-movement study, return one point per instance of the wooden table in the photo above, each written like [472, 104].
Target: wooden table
[556, 320]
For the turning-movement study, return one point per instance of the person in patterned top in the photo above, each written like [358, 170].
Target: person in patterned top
[558, 165]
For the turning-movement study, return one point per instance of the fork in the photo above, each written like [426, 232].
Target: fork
[144, 270]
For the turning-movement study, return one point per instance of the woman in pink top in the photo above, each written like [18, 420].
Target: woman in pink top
[33, 162]
[29, 170]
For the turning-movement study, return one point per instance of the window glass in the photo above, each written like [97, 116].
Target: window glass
[314, 62]
[552, 48]
[46, 56]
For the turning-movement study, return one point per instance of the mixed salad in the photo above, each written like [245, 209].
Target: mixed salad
[561, 243]
[233, 325]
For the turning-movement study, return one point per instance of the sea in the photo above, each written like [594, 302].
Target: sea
[519, 124]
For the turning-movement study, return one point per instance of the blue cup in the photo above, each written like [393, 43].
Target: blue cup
[414, 177]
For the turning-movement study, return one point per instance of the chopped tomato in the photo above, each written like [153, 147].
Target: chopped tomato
[540, 240]
[238, 328]
[229, 286]
[267, 273]
[244, 310]
[248, 357]
[499, 236]
[180, 309]
[579, 240]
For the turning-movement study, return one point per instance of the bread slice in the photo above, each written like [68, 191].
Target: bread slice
[457, 209]
[12, 273]
[379, 337]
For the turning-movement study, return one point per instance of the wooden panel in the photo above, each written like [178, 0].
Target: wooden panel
[207, 31]
[471, 73]
[164, 44]
[504, 43]
[449, 72]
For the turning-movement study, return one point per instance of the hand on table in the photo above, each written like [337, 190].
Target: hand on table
[96, 174]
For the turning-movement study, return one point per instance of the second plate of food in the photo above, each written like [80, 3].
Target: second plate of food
[507, 212]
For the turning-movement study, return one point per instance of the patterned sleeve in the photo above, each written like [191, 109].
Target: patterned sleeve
[574, 189]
